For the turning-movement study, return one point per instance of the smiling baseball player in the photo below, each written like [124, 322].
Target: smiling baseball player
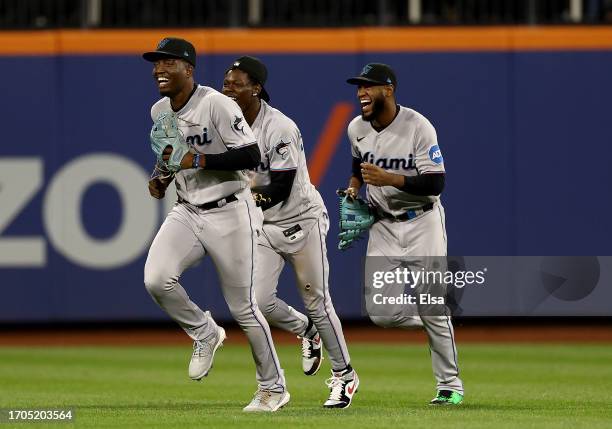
[294, 230]
[396, 154]
[215, 215]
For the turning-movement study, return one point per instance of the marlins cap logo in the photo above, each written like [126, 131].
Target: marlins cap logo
[366, 69]
[163, 43]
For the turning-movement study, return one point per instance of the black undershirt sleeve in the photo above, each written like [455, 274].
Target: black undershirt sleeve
[424, 184]
[244, 158]
[279, 188]
[356, 168]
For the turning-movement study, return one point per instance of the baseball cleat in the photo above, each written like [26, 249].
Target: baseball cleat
[343, 388]
[267, 401]
[312, 358]
[203, 355]
[447, 397]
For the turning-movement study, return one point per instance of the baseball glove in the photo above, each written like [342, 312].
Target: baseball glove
[356, 216]
[165, 132]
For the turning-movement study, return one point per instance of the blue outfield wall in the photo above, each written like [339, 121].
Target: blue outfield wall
[522, 136]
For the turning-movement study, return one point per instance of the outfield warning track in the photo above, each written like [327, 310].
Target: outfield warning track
[362, 334]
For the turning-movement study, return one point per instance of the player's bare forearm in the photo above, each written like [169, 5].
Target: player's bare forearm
[376, 176]
[355, 182]
[159, 181]
[158, 186]
[354, 186]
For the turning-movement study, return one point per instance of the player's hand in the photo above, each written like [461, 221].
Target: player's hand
[186, 162]
[350, 192]
[260, 199]
[157, 188]
[374, 175]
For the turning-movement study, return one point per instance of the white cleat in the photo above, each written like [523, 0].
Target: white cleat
[343, 388]
[203, 355]
[312, 358]
[267, 401]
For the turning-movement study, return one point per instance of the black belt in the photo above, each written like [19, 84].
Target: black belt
[213, 204]
[408, 214]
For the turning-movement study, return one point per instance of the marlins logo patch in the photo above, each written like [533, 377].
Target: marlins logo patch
[436, 155]
[282, 149]
[237, 126]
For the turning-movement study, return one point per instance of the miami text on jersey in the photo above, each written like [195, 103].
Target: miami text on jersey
[199, 140]
[390, 163]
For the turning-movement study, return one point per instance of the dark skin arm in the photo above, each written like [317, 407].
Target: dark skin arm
[356, 180]
[354, 186]
[419, 185]
[158, 186]
[159, 181]
[374, 175]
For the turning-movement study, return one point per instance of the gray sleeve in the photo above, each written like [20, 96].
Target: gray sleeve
[285, 147]
[229, 122]
[428, 156]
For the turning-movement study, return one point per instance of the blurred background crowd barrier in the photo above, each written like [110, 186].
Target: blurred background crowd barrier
[296, 13]
[522, 115]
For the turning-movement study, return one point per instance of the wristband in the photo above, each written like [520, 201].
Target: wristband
[196, 161]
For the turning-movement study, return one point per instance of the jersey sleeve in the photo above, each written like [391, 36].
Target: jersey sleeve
[351, 136]
[230, 123]
[428, 157]
[156, 109]
[285, 143]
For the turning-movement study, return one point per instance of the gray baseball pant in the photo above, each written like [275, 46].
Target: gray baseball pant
[311, 269]
[415, 244]
[228, 235]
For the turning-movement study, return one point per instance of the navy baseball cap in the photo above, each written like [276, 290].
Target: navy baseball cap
[172, 47]
[256, 70]
[375, 74]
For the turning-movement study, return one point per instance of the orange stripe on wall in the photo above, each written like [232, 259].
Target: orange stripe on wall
[227, 41]
[328, 141]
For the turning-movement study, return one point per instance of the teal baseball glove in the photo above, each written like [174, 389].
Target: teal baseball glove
[356, 216]
[165, 132]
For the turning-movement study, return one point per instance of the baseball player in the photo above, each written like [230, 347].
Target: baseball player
[396, 154]
[294, 230]
[215, 215]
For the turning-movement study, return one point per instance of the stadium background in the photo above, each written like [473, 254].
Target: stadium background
[521, 115]
[519, 92]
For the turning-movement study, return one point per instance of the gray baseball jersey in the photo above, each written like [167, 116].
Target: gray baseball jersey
[294, 231]
[212, 123]
[408, 146]
[282, 149]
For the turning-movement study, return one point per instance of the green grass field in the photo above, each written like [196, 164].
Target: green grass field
[507, 386]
